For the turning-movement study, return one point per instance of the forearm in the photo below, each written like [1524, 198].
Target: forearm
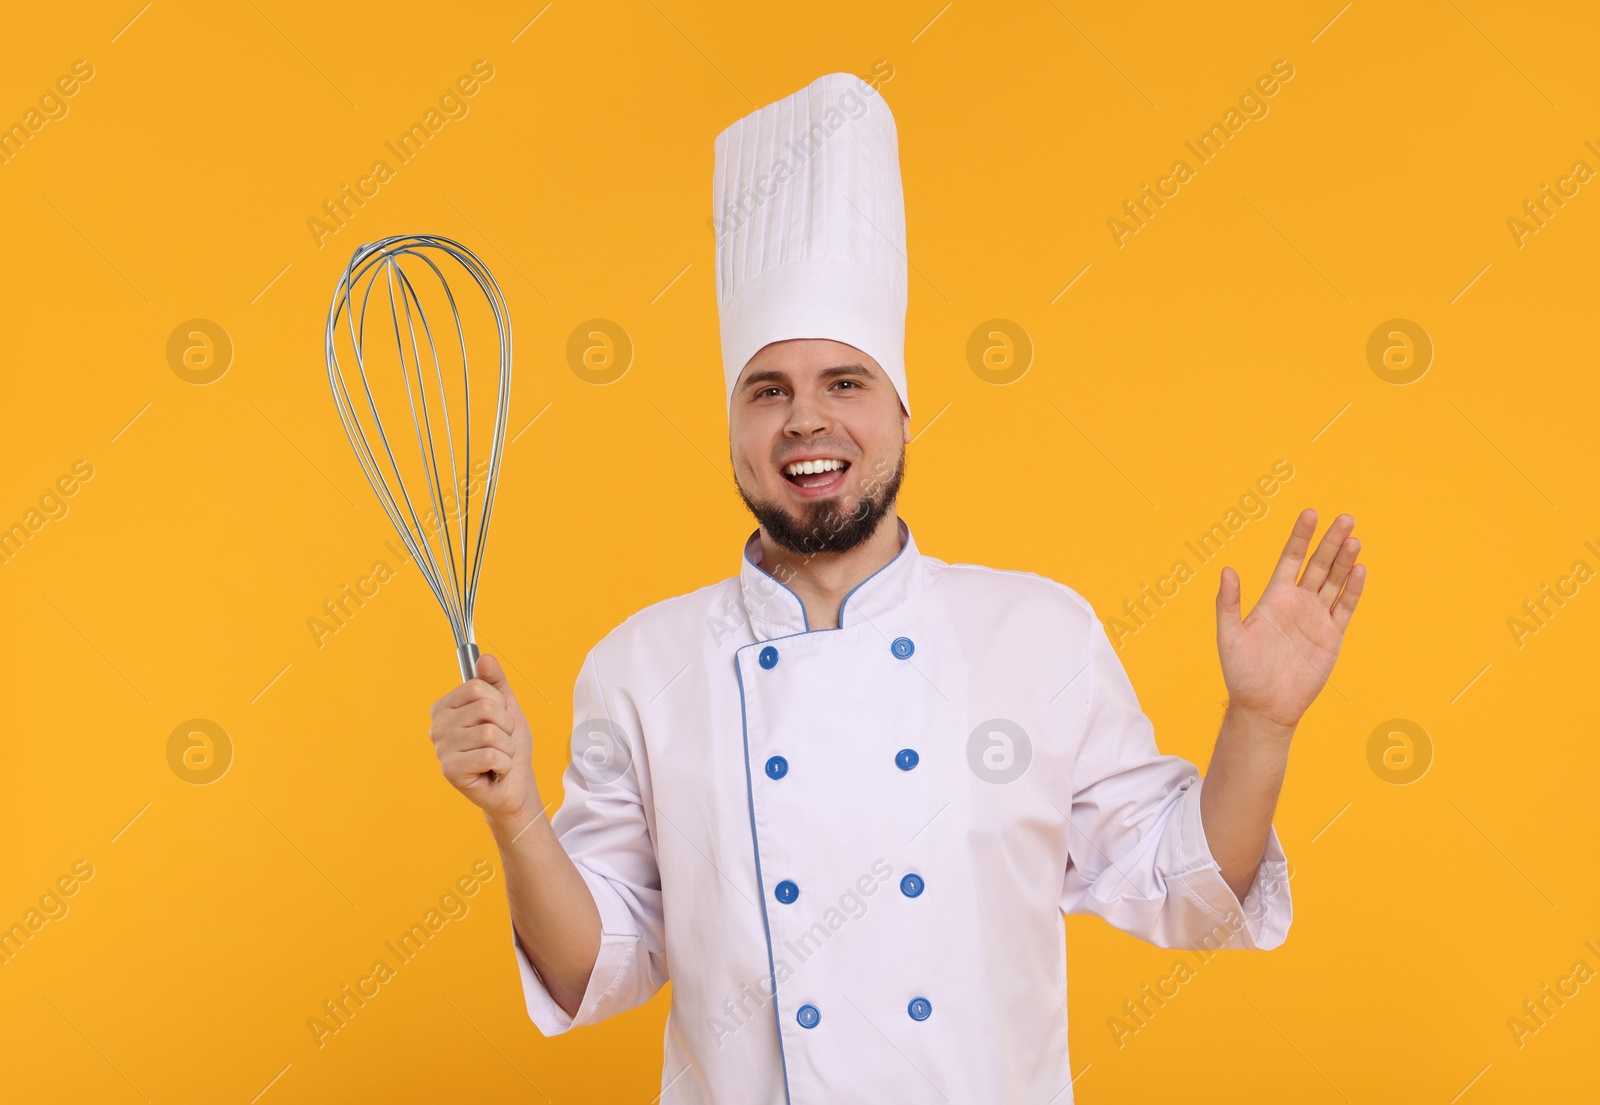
[552, 910]
[1240, 794]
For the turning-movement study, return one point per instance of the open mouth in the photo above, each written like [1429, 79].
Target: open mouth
[816, 475]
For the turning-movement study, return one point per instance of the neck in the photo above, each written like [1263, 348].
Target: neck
[822, 580]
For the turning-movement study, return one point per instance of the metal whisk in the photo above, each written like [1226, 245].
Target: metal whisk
[449, 556]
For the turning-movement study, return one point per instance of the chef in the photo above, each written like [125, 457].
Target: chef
[842, 798]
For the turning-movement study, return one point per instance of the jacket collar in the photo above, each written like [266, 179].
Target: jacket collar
[776, 611]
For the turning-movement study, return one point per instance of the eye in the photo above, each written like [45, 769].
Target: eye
[850, 383]
[765, 390]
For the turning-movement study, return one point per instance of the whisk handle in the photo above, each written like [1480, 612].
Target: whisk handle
[467, 658]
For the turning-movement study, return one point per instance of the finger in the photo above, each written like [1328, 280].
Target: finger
[461, 767]
[490, 671]
[449, 739]
[1294, 551]
[462, 694]
[1228, 602]
[1340, 570]
[1346, 606]
[1322, 559]
[491, 711]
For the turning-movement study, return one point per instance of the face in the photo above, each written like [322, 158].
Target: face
[810, 403]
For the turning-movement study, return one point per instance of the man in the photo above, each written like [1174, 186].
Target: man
[843, 797]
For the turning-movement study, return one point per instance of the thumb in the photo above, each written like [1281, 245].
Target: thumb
[1228, 601]
[490, 671]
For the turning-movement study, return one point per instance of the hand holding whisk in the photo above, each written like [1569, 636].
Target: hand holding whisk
[436, 517]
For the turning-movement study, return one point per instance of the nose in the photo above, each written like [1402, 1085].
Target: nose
[807, 418]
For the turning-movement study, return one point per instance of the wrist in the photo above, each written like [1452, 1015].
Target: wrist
[516, 827]
[1257, 723]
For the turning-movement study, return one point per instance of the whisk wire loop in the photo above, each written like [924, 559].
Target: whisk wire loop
[453, 571]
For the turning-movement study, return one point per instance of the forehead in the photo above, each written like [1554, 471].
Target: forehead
[801, 358]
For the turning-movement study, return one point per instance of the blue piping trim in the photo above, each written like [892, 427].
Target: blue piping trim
[766, 925]
[749, 783]
[806, 618]
[845, 601]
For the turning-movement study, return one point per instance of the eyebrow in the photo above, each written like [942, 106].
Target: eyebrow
[778, 376]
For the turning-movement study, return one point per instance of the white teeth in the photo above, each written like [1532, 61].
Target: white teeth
[811, 467]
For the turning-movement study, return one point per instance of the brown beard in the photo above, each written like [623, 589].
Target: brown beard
[825, 526]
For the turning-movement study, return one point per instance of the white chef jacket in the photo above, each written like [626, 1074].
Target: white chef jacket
[850, 848]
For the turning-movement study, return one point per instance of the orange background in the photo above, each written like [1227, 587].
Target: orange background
[1227, 334]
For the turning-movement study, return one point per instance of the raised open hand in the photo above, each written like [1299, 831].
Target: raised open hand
[1277, 659]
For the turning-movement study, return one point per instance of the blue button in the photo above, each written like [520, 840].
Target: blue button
[777, 767]
[808, 1015]
[920, 1009]
[786, 891]
[902, 647]
[769, 657]
[906, 759]
[911, 886]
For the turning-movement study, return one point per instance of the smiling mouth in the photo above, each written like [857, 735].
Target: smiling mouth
[816, 474]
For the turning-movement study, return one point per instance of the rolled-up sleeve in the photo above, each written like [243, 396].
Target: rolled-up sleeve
[1137, 851]
[602, 826]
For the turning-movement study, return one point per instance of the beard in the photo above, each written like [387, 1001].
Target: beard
[826, 526]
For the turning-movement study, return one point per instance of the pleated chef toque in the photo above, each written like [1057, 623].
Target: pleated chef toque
[811, 227]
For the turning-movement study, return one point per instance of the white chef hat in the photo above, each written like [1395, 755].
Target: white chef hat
[811, 227]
